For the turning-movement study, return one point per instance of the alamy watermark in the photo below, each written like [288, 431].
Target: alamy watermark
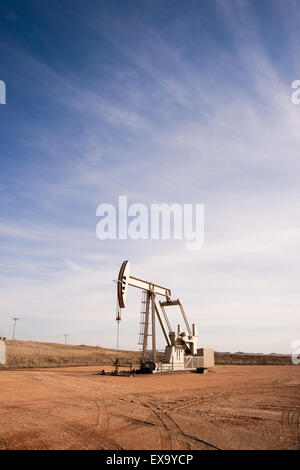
[156, 222]
[295, 97]
[296, 351]
[2, 92]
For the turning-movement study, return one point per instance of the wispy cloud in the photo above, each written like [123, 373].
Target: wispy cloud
[164, 110]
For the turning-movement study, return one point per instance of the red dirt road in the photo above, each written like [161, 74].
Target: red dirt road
[231, 407]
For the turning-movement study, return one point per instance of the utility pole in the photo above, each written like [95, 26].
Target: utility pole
[14, 319]
[66, 336]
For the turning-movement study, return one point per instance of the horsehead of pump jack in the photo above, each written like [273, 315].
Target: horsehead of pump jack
[181, 351]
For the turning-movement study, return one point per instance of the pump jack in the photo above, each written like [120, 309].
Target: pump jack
[181, 351]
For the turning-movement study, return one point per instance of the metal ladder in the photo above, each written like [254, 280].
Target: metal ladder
[143, 318]
[142, 340]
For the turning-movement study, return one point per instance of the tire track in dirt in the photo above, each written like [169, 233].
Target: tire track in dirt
[81, 436]
[26, 438]
[5, 446]
[171, 435]
[93, 436]
[185, 403]
[290, 424]
[90, 435]
[165, 434]
[290, 418]
[255, 419]
[105, 425]
[86, 438]
[134, 421]
[193, 438]
[176, 432]
[169, 428]
[166, 425]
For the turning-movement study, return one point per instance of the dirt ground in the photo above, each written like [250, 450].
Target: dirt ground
[231, 407]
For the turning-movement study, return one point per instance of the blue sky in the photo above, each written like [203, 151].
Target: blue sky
[162, 101]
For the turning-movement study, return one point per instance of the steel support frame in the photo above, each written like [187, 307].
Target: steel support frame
[150, 299]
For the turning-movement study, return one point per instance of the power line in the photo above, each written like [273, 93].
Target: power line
[14, 329]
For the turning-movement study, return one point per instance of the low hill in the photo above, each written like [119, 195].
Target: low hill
[34, 354]
[252, 359]
[24, 354]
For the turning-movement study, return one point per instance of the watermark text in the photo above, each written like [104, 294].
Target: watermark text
[295, 97]
[156, 222]
[296, 352]
[2, 92]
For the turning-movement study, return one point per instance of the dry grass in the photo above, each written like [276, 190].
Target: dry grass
[34, 354]
[252, 359]
[26, 354]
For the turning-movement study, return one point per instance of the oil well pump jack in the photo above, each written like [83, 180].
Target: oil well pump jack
[181, 350]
